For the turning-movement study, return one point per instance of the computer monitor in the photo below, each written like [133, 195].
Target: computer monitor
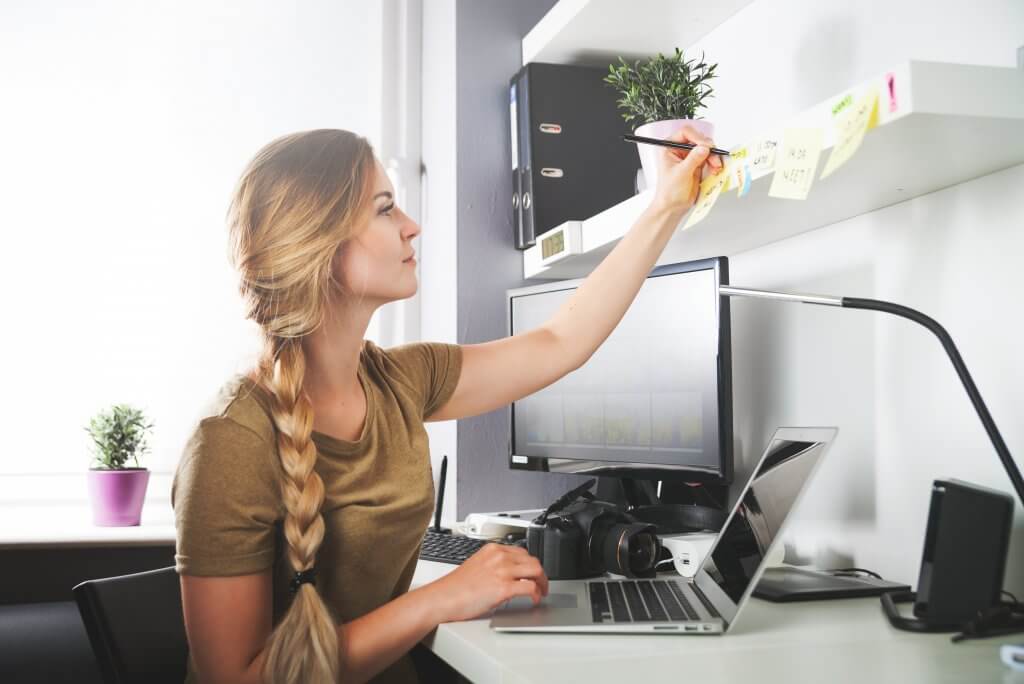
[654, 402]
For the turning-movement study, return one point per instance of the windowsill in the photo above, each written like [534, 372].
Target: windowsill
[51, 510]
[23, 526]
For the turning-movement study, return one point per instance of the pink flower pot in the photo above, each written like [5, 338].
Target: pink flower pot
[663, 129]
[117, 495]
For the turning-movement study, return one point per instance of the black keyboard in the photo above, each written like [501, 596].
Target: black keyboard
[450, 548]
[640, 601]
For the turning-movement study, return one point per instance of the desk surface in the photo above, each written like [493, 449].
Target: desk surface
[846, 640]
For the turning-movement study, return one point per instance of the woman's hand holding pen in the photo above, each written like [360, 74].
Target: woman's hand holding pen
[488, 578]
[680, 171]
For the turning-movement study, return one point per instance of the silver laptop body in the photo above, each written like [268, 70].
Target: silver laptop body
[711, 601]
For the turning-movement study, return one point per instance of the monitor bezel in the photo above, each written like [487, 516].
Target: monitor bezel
[722, 473]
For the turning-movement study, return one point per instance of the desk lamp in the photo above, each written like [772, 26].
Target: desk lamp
[1001, 516]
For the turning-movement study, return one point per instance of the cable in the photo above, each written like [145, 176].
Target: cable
[852, 572]
[1001, 619]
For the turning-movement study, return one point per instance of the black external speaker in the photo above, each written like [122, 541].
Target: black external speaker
[964, 558]
[964, 552]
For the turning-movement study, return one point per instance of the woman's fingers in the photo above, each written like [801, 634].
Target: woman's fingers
[533, 570]
[688, 134]
[523, 587]
[523, 566]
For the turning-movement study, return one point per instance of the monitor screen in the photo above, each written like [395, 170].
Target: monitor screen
[653, 400]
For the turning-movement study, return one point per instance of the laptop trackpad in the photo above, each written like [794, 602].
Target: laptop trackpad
[525, 603]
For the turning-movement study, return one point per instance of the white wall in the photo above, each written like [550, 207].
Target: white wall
[123, 127]
[904, 418]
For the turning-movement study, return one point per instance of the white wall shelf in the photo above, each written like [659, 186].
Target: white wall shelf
[952, 123]
[598, 31]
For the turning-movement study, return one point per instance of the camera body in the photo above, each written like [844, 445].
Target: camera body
[589, 538]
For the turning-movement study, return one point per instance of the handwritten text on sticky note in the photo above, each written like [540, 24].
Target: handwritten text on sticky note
[850, 127]
[710, 188]
[796, 163]
[762, 156]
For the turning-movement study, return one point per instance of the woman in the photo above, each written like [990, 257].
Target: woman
[304, 489]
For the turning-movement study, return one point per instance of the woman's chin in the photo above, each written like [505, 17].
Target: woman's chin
[405, 293]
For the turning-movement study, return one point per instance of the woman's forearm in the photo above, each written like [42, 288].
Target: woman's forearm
[372, 642]
[584, 321]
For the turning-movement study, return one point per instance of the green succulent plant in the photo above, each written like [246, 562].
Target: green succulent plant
[662, 87]
[118, 434]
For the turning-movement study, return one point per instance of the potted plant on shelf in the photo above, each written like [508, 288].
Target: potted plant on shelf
[662, 95]
[116, 490]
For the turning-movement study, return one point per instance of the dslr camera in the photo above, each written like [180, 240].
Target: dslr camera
[576, 539]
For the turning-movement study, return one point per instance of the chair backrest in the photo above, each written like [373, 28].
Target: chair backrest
[135, 626]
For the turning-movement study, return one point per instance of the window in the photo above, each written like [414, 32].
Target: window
[124, 128]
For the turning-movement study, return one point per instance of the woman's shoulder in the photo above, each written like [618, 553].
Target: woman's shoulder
[231, 441]
[239, 403]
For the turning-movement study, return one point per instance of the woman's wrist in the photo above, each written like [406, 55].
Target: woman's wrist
[434, 602]
[663, 211]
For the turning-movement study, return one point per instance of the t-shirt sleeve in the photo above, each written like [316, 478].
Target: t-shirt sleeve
[226, 498]
[431, 368]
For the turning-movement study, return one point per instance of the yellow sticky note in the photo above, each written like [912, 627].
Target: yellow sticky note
[851, 125]
[796, 163]
[736, 159]
[710, 188]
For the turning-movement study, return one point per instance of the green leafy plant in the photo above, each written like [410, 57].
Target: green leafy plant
[119, 434]
[662, 87]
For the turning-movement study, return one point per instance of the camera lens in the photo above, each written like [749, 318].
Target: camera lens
[631, 549]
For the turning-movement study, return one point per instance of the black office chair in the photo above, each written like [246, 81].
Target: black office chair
[135, 626]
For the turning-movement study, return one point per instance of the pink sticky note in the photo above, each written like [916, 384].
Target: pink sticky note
[890, 82]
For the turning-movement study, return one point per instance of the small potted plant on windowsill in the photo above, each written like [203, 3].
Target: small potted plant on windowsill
[662, 95]
[116, 490]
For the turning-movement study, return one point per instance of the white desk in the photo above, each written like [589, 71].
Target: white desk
[846, 640]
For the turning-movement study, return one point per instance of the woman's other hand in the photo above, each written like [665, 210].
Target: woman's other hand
[488, 578]
[679, 171]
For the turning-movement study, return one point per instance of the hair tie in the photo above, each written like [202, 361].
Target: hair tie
[301, 578]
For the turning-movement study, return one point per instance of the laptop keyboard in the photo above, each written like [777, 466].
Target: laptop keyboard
[640, 601]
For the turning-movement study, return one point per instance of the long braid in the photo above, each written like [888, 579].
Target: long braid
[297, 202]
[304, 645]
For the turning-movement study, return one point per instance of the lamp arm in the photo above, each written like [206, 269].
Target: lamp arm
[947, 343]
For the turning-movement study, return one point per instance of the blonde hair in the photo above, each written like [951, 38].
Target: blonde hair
[296, 204]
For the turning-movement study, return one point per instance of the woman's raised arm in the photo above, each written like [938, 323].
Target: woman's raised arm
[497, 373]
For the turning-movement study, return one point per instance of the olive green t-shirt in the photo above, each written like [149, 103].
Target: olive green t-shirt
[378, 490]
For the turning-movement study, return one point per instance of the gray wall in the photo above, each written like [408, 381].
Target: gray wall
[488, 53]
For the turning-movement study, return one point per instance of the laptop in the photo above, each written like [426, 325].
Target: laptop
[708, 603]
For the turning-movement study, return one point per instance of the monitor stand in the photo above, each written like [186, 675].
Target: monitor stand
[680, 508]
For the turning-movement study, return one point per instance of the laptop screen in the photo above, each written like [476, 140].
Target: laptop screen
[757, 518]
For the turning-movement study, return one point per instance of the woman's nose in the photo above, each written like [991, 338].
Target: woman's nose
[411, 229]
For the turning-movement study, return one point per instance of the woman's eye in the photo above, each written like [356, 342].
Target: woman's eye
[387, 210]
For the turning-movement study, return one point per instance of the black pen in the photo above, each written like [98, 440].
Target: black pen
[670, 143]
